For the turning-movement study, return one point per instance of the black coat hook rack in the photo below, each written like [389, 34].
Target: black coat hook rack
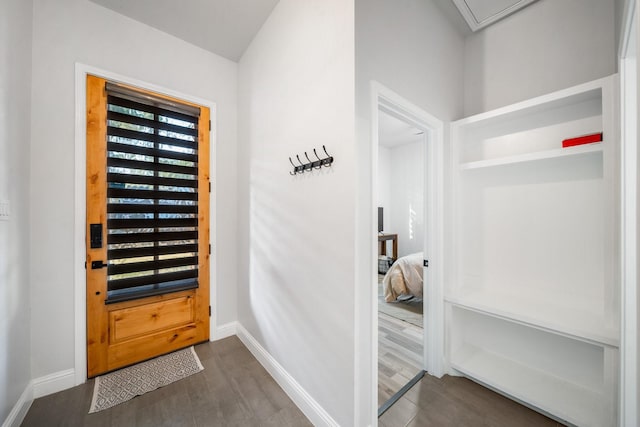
[302, 167]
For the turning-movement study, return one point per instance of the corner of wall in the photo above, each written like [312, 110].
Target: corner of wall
[20, 409]
[16, 23]
[53, 383]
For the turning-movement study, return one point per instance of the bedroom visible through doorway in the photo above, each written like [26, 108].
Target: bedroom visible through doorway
[401, 239]
[426, 218]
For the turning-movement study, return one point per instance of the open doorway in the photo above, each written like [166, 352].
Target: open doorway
[407, 177]
[400, 260]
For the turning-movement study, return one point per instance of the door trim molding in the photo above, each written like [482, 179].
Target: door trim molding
[628, 68]
[79, 275]
[383, 97]
[397, 106]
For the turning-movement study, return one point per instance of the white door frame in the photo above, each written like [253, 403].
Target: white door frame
[80, 191]
[629, 369]
[389, 101]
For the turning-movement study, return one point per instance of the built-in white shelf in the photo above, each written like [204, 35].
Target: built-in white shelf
[545, 103]
[539, 155]
[569, 402]
[533, 305]
[541, 313]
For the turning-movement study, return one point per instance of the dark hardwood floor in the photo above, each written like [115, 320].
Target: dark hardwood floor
[233, 390]
[459, 402]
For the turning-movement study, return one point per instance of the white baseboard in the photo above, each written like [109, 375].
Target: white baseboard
[316, 413]
[20, 409]
[54, 383]
[224, 331]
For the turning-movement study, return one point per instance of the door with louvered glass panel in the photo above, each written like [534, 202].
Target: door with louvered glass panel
[147, 225]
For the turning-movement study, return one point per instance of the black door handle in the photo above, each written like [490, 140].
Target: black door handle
[98, 264]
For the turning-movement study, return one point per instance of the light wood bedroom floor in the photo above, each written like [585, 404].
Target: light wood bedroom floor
[400, 355]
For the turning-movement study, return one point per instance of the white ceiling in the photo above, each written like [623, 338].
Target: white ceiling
[224, 27]
[393, 132]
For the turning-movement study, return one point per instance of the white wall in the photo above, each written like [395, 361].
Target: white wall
[547, 46]
[637, 197]
[633, 60]
[401, 194]
[414, 49]
[15, 110]
[407, 214]
[619, 12]
[296, 274]
[69, 31]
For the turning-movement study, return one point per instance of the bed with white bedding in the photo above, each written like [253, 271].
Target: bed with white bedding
[404, 278]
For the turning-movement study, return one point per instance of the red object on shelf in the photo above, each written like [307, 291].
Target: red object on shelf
[580, 140]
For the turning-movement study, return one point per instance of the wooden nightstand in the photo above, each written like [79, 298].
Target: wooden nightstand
[382, 240]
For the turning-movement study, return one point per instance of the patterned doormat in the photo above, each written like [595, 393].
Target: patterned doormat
[125, 384]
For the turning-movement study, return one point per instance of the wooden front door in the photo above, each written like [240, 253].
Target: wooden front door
[147, 230]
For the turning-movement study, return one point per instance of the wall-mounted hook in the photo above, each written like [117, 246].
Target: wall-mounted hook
[294, 167]
[319, 161]
[312, 164]
[303, 166]
[328, 160]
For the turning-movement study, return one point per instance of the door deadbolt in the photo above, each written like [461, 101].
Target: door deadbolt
[98, 264]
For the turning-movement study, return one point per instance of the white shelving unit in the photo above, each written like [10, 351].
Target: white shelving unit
[529, 157]
[533, 304]
[549, 316]
[562, 381]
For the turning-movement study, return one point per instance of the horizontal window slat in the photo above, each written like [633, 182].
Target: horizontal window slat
[145, 291]
[151, 180]
[141, 121]
[165, 236]
[114, 285]
[150, 194]
[118, 224]
[130, 134]
[162, 167]
[145, 151]
[151, 251]
[133, 267]
[127, 103]
[151, 209]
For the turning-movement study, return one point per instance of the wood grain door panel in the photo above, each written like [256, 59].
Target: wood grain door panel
[126, 332]
[132, 322]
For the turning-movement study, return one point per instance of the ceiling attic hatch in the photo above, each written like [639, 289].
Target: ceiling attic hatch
[482, 13]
